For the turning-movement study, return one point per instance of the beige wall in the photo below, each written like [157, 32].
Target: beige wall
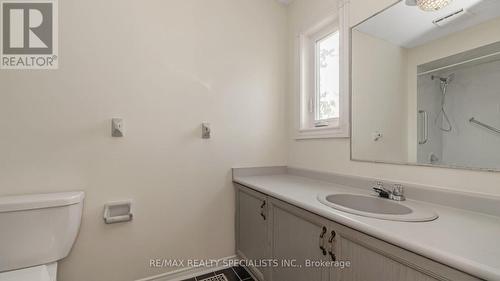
[165, 66]
[333, 154]
[380, 105]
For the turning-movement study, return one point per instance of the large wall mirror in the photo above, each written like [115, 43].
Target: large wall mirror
[425, 84]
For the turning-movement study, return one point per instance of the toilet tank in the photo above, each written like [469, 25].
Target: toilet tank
[38, 229]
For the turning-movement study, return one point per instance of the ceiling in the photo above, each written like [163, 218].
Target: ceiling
[409, 27]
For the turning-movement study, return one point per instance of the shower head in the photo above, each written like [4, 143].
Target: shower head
[445, 80]
[442, 120]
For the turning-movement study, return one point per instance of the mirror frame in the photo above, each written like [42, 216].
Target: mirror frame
[352, 112]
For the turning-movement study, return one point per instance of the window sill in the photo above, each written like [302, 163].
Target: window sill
[321, 133]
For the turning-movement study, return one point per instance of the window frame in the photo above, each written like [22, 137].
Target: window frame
[307, 126]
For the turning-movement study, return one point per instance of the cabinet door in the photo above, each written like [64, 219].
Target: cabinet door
[252, 241]
[375, 260]
[298, 237]
[368, 265]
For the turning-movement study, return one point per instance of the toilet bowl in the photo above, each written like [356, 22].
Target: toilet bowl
[37, 231]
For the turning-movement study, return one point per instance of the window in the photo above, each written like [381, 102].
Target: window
[327, 78]
[323, 93]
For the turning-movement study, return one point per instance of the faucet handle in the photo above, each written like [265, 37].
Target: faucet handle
[398, 189]
[397, 193]
[378, 184]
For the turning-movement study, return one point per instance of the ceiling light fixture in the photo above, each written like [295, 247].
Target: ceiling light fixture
[432, 5]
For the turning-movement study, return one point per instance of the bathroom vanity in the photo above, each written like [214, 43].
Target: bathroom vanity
[279, 220]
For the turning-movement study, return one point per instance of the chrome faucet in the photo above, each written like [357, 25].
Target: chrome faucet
[397, 193]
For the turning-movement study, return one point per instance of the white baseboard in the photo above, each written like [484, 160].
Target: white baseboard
[189, 272]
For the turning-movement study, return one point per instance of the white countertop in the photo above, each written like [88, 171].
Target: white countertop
[465, 240]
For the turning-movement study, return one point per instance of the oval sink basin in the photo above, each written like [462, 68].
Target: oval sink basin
[375, 207]
[368, 204]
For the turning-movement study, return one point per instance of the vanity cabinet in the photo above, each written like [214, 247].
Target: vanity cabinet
[294, 236]
[252, 229]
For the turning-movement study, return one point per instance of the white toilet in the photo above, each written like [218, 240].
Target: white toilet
[36, 231]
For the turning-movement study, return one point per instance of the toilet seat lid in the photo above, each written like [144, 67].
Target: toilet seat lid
[37, 273]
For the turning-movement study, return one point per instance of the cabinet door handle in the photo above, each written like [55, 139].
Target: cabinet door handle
[262, 210]
[331, 249]
[332, 237]
[322, 241]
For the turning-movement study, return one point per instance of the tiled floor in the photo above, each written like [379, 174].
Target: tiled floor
[236, 273]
